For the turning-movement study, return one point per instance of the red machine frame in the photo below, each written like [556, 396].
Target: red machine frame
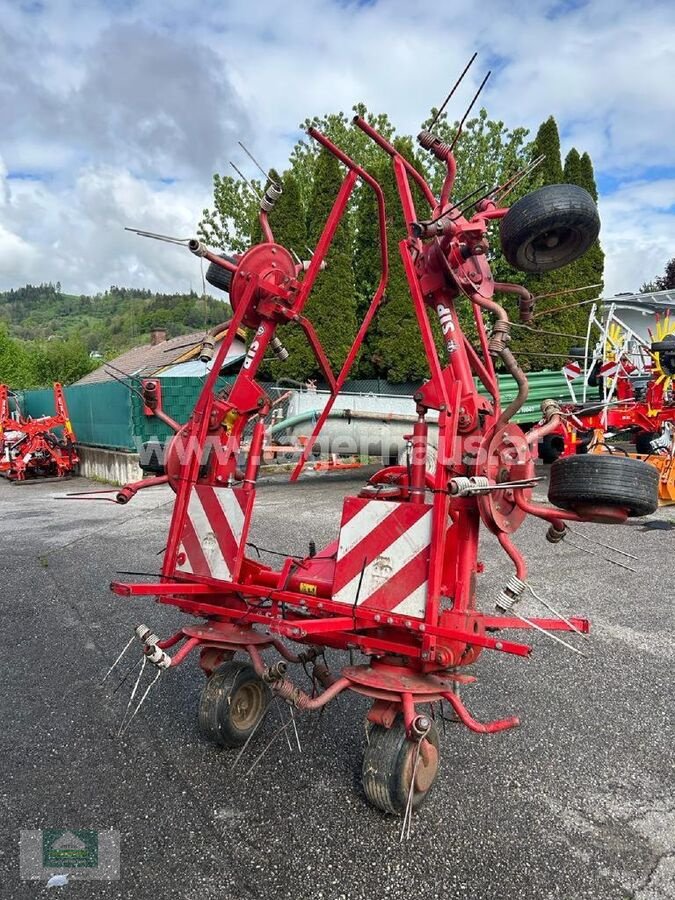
[415, 651]
[38, 452]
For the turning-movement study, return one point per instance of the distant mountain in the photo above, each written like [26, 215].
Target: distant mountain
[107, 323]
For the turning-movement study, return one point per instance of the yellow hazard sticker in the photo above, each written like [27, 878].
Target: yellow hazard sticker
[306, 588]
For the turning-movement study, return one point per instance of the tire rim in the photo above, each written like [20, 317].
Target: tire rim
[246, 706]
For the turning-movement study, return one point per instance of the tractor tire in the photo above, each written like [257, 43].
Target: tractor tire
[604, 480]
[578, 353]
[233, 701]
[549, 228]
[388, 766]
[218, 277]
[551, 447]
[643, 442]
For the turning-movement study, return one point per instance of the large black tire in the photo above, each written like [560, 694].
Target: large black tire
[604, 480]
[643, 441]
[388, 764]
[551, 447]
[232, 703]
[549, 228]
[217, 276]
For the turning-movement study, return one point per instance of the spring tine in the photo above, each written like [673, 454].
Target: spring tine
[544, 631]
[142, 700]
[133, 694]
[555, 612]
[606, 558]
[407, 817]
[128, 673]
[452, 91]
[606, 546]
[295, 729]
[132, 639]
[246, 181]
[249, 738]
[281, 719]
[268, 745]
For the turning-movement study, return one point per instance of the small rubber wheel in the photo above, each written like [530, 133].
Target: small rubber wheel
[604, 480]
[549, 228]
[232, 703]
[578, 353]
[217, 276]
[643, 441]
[388, 764]
[551, 447]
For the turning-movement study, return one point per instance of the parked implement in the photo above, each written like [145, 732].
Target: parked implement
[36, 448]
[399, 583]
[635, 385]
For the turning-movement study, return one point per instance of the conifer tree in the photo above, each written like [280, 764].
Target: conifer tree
[331, 307]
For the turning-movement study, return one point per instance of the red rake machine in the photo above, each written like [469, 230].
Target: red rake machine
[33, 448]
[399, 584]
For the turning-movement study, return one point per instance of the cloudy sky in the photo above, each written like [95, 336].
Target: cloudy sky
[117, 112]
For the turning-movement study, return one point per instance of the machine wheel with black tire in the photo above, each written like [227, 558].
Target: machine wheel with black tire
[218, 277]
[233, 701]
[643, 442]
[389, 761]
[551, 447]
[549, 228]
[604, 480]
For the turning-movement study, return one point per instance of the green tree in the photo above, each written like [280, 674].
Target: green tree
[332, 304]
[288, 221]
[547, 144]
[665, 282]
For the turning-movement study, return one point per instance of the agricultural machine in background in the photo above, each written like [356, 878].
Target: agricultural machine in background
[633, 381]
[399, 584]
[36, 448]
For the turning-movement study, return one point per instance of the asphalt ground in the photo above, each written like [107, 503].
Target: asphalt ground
[576, 803]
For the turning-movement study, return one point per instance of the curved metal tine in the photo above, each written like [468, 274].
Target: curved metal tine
[452, 91]
[295, 729]
[600, 544]
[555, 612]
[133, 694]
[128, 673]
[407, 818]
[268, 745]
[246, 181]
[256, 163]
[105, 677]
[142, 700]
[614, 562]
[281, 719]
[157, 237]
[249, 738]
[547, 633]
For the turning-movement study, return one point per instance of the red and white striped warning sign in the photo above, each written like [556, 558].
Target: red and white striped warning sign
[213, 532]
[571, 370]
[383, 556]
[609, 369]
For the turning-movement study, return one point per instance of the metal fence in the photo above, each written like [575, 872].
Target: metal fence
[100, 413]
[108, 414]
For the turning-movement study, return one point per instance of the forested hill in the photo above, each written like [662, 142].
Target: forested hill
[108, 323]
[47, 336]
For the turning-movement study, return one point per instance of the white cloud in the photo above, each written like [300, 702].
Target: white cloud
[104, 99]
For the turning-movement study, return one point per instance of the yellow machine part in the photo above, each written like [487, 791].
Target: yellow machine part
[666, 469]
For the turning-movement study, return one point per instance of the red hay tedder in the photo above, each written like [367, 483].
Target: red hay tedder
[399, 584]
[32, 448]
